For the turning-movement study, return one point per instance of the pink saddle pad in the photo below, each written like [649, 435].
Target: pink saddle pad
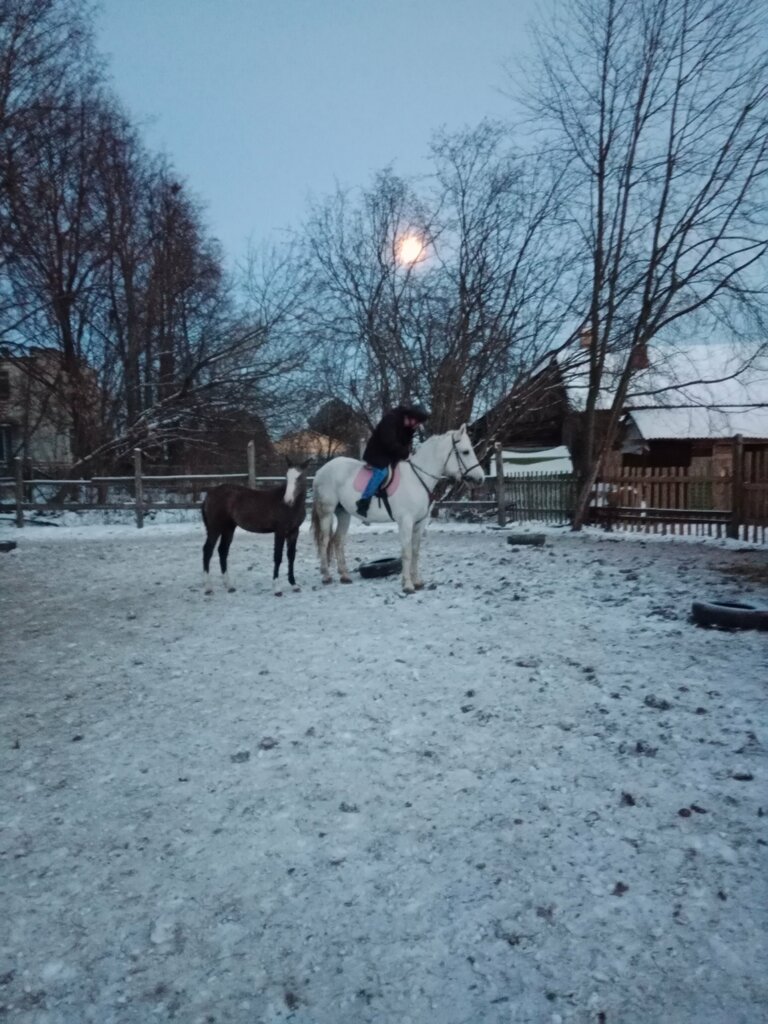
[364, 475]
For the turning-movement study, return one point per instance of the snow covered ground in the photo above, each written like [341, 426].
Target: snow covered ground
[534, 793]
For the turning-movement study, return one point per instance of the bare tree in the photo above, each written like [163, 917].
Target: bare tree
[364, 303]
[280, 353]
[45, 47]
[106, 267]
[54, 248]
[125, 181]
[659, 110]
[495, 296]
[476, 309]
[187, 364]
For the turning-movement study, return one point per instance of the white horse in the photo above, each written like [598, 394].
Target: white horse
[450, 454]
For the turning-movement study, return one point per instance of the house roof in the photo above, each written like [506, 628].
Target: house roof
[703, 375]
[710, 376]
[688, 422]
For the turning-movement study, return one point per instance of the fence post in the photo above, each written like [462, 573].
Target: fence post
[138, 487]
[251, 464]
[501, 511]
[19, 492]
[737, 487]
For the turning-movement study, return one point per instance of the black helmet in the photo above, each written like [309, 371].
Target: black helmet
[418, 412]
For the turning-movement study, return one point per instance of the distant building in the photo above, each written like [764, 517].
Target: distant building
[304, 444]
[35, 423]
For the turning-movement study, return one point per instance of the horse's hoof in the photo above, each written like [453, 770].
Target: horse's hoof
[327, 579]
[345, 579]
[296, 588]
[278, 593]
[409, 590]
[418, 586]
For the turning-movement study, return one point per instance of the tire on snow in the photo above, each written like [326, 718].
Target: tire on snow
[729, 615]
[532, 539]
[380, 567]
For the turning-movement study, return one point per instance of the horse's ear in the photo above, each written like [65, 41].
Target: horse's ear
[288, 462]
[305, 464]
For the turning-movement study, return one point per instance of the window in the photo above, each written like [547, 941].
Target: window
[6, 451]
[5, 385]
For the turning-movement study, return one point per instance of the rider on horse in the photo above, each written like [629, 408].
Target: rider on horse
[390, 443]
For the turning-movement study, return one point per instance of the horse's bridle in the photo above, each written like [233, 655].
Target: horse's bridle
[462, 466]
[461, 462]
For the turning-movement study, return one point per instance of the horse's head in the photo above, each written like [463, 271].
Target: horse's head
[462, 462]
[295, 480]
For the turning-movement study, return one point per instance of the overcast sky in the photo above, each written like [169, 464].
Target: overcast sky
[262, 103]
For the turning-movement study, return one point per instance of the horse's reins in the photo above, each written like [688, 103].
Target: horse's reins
[462, 465]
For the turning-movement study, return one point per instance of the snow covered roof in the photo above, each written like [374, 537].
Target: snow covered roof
[704, 375]
[712, 376]
[700, 422]
[546, 460]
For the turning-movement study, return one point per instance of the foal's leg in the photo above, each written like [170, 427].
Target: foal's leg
[208, 547]
[226, 539]
[406, 551]
[278, 557]
[292, 539]
[343, 519]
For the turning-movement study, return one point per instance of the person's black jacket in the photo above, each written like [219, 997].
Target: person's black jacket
[391, 440]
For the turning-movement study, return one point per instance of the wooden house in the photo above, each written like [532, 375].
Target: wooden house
[532, 415]
[690, 405]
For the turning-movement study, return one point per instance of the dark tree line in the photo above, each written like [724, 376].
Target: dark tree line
[105, 260]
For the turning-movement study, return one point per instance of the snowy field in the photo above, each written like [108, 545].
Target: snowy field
[534, 793]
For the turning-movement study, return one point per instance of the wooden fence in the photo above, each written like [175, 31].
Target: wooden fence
[671, 500]
[137, 493]
[667, 501]
[679, 501]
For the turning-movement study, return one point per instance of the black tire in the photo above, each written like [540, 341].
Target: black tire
[531, 539]
[381, 567]
[729, 615]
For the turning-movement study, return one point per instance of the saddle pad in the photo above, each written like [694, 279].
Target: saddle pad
[364, 475]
